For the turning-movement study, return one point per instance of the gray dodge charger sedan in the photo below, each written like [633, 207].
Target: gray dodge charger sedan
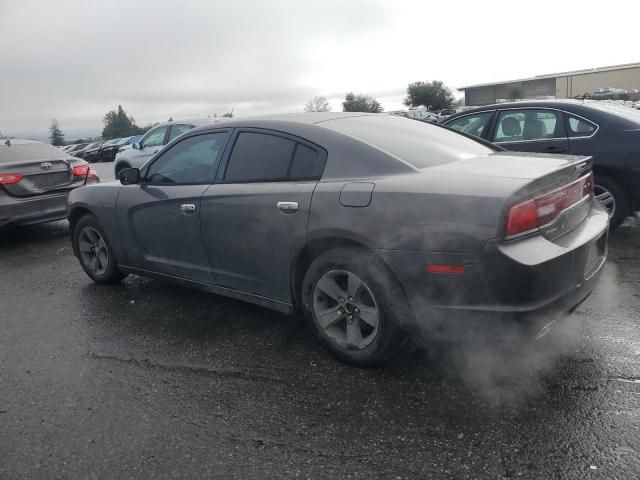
[370, 225]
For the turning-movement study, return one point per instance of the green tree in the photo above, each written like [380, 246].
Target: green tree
[228, 114]
[516, 92]
[360, 103]
[317, 104]
[118, 124]
[55, 134]
[432, 95]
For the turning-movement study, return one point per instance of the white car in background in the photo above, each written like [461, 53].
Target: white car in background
[153, 141]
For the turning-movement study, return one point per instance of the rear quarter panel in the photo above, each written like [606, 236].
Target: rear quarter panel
[417, 212]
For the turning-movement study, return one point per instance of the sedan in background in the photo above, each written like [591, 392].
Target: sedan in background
[607, 132]
[371, 225]
[75, 148]
[35, 180]
[89, 147]
[92, 152]
[107, 151]
[152, 142]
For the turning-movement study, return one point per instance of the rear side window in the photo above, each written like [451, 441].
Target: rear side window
[579, 127]
[261, 157]
[306, 163]
[474, 125]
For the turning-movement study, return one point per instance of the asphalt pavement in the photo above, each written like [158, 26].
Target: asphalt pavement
[150, 380]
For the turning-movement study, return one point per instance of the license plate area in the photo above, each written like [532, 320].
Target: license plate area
[596, 255]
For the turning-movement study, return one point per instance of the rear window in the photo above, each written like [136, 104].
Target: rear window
[29, 151]
[418, 143]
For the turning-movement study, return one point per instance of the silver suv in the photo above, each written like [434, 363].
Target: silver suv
[153, 141]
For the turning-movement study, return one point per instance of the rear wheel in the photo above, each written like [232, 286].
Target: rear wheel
[93, 251]
[355, 306]
[613, 197]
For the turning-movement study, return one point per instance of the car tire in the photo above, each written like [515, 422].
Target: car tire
[94, 251]
[364, 328]
[605, 188]
[119, 169]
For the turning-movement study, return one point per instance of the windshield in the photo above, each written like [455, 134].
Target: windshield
[29, 151]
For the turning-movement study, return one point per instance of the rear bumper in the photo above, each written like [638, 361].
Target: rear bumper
[31, 210]
[527, 282]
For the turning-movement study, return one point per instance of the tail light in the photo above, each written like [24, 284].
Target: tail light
[539, 211]
[83, 169]
[9, 178]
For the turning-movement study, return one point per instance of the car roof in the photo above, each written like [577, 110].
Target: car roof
[309, 118]
[191, 121]
[559, 103]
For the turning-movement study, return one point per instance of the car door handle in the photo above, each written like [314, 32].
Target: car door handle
[187, 208]
[288, 207]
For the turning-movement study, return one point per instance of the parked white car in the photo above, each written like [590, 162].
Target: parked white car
[152, 142]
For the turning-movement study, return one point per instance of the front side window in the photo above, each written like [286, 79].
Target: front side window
[475, 124]
[530, 124]
[177, 130]
[259, 157]
[192, 160]
[578, 127]
[155, 137]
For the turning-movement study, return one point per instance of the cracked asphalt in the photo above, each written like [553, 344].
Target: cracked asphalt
[150, 380]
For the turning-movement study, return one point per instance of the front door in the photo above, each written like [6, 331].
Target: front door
[160, 217]
[530, 130]
[254, 219]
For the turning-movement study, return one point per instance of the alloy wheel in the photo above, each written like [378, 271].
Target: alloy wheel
[93, 251]
[346, 310]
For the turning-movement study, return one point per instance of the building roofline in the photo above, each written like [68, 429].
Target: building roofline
[623, 66]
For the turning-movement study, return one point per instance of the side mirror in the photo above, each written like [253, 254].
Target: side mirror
[136, 146]
[129, 176]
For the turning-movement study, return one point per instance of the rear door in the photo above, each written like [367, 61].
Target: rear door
[530, 130]
[254, 219]
[159, 218]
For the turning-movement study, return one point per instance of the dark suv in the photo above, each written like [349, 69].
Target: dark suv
[608, 132]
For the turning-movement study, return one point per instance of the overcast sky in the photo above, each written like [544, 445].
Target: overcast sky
[75, 60]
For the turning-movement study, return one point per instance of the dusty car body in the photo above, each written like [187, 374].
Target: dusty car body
[368, 224]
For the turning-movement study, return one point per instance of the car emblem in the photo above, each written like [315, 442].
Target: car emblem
[46, 165]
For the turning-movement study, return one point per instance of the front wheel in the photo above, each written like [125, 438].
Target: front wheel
[93, 251]
[355, 306]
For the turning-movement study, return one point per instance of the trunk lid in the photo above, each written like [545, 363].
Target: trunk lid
[32, 168]
[40, 177]
[528, 176]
